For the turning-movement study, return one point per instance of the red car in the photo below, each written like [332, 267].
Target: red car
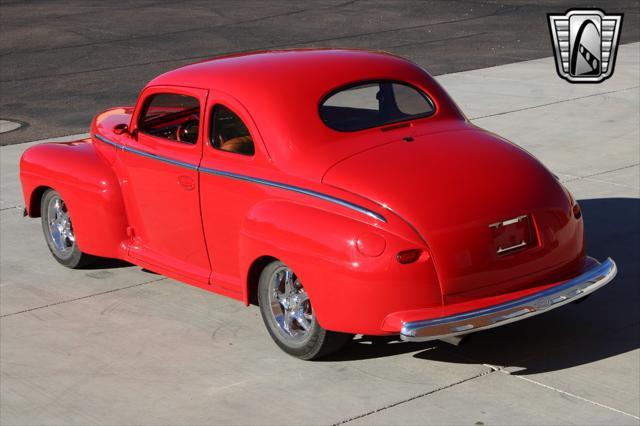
[342, 191]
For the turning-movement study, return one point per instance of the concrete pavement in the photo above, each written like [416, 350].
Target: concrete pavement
[118, 345]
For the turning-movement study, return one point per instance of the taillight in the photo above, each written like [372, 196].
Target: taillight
[577, 213]
[408, 256]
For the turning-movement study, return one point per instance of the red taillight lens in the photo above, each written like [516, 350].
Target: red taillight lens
[577, 213]
[408, 256]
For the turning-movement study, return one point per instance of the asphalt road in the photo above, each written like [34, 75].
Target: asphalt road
[61, 62]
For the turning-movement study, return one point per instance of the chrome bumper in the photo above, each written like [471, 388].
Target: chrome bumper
[598, 275]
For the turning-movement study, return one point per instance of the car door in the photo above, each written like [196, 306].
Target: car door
[233, 154]
[162, 187]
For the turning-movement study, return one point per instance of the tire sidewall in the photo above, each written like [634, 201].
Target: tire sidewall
[304, 349]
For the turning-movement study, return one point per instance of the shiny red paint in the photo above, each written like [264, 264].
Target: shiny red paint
[438, 181]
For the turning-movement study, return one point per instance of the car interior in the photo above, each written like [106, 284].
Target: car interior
[177, 117]
[230, 133]
[171, 116]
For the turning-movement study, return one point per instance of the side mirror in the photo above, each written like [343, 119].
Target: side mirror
[120, 129]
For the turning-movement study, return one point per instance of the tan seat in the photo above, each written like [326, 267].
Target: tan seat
[240, 145]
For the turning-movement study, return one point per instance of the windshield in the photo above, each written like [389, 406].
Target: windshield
[373, 104]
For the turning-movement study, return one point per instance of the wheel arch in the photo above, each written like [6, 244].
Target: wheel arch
[253, 277]
[35, 200]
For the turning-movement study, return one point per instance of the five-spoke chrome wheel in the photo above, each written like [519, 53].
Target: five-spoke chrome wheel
[60, 228]
[290, 305]
[289, 315]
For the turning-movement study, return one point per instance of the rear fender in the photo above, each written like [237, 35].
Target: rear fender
[89, 187]
[350, 292]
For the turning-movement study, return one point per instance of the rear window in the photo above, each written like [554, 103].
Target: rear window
[373, 104]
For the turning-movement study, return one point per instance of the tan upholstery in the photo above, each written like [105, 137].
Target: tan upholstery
[240, 145]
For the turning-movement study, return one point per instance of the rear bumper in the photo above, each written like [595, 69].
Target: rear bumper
[591, 279]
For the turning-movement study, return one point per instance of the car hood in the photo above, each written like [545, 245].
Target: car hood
[450, 186]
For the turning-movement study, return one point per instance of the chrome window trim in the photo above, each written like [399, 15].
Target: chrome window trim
[246, 178]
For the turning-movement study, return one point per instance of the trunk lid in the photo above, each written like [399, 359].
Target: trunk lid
[494, 218]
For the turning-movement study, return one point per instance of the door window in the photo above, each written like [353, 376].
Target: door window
[171, 116]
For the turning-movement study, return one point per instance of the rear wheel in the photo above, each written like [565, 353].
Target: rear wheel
[58, 231]
[289, 316]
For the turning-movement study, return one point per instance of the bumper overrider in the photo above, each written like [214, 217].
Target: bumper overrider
[597, 275]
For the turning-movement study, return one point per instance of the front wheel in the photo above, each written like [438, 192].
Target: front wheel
[289, 316]
[58, 231]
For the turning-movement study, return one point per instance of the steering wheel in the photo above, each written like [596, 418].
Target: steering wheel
[188, 131]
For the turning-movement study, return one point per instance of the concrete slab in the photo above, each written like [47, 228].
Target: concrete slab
[166, 353]
[10, 190]
[496, 399]
[591, 146]
[31, 278]
[628, 177]
[604, 377]
[519, 86]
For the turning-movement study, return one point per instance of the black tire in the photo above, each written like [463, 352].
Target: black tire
[314, 343]
[65, 250]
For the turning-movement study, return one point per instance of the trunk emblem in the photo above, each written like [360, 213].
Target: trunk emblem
[511, 234]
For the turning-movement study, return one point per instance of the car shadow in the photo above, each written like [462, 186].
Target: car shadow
[605, 324]
[106, 263]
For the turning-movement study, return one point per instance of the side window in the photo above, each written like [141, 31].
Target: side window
[171, 116]
[229, 133]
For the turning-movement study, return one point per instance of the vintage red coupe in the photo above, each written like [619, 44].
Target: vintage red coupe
[340, 190]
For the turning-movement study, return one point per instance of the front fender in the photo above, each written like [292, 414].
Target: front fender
[89, 187]
[350, 292]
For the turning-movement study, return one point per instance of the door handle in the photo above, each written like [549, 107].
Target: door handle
[186, 182]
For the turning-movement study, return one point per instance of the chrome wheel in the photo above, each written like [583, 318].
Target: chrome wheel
[289, 317]
[290, 305]
[59, 227]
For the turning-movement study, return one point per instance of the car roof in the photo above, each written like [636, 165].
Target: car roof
[281, 67]
[282, 90]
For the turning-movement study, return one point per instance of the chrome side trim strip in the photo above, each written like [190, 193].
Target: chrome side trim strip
[297, 189]
[595, 277]
[107, 141]
[147, 154]
[245, 178]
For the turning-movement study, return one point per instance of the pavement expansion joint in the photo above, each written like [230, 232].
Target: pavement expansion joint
[569, 394]
[554, 103]
[83, 297]
[604, 172]
[395, 404]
